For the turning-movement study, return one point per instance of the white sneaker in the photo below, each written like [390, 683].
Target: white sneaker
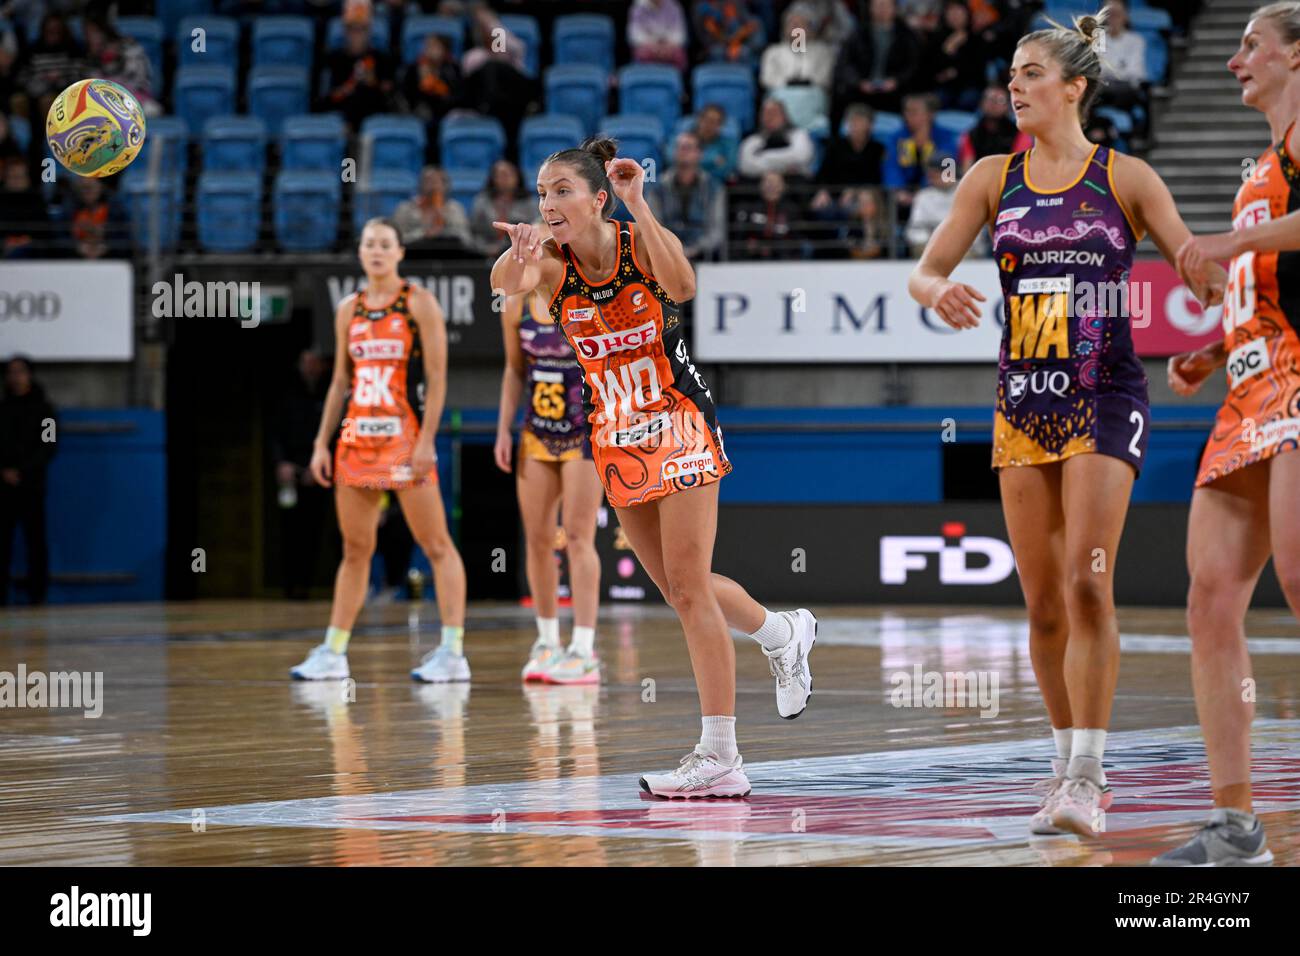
[700, 774]
[441, 666]
[321, 664]
[540, 657]
[789, 664]
[573, 667]
[1040, 824]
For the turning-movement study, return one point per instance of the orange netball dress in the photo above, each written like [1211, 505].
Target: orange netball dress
[1260, 417]
[653, 426]
[385, 406]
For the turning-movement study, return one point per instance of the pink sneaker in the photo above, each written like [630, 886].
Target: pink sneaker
[1077, 807]
[700, 774]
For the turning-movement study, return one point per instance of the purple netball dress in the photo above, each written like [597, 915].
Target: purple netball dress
[555, 427]
[1069, 380]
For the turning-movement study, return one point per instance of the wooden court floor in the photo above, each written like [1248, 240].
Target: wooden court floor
[206, 753]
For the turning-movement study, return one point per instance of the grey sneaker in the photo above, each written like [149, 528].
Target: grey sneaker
[1221, 842]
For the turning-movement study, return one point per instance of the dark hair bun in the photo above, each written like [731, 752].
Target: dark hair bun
[602, 147]
[1089, 26]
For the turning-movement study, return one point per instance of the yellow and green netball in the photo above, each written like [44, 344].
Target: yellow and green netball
[95, 128]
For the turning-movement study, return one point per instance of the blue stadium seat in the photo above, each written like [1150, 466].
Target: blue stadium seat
[221, 42]
[379, 35]
[145, 199]
[955, 122]
[806, 105]
[171, 136]
[283, 41]
[313, 141]
[393, 142]
[148, 32]
[730, 85]
[651, 88]
[171, 12]
[526, 29]
[306, 210]
[1122, 120]
[381, 194]
[584, 38]
[471, 141]
[542, 135]
[577, 89]
[639, 136]
[465, 184]
[275, 92]
[884, 129]
[416, 28]
[229, 210]
[201, 92]
[1157, 57]
[1144, 19]
[234, 144]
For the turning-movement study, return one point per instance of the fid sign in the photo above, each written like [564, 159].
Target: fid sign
[901, 554]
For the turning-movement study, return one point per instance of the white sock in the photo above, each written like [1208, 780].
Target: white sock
[719, 736]
[775, 631]
[548, 631]
[1063, 739]
[584, 640]
[1086, 750]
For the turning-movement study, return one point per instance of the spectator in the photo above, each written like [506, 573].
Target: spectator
[303, 503]
[905, 168]
[10, 148]
[869, 235]
[430, 86]
[1124, 58]
[796, 58]
[933, 203]
[777, 146]
[25, 225]
[53, 63]
[878, 64]
[922, 17]
[728, 30]
[855, 157]
[765, 224]
[96, 230]
[432, 214]
[1100, 128]
[690, 202]
[495, 83]
[27, 425]
[960, 59]
[718, 150]
[656, 32]
[830, 21]
[504, 199]
[120, 58]
[994, 132]
[360, 77]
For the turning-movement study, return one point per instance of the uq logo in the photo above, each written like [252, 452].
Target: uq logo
[900, 554]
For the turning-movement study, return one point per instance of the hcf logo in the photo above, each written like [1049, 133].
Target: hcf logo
[598, 346]
[900, 554]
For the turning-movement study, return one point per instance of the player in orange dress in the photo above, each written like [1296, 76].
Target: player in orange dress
[1243, 508]
[615, 289]
[391, 366]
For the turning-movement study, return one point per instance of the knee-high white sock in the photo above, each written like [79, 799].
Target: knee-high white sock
[775, 631]
[1087, 747]
[719, 736]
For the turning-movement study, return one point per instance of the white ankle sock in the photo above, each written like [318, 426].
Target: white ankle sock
[719, 736]
[775, 631]
[548, 631]
[584, 640]
[1063, 738]
[1087, 748]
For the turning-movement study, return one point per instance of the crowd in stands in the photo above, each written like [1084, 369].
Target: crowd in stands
[843, 137]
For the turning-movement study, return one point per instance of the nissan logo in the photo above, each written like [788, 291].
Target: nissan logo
[30, 306]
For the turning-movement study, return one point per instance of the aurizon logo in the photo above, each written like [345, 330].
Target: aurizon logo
[598, 346]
